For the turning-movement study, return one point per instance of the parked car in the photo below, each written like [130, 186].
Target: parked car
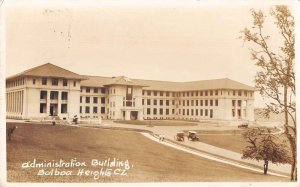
[193, 136]
[179, 136]
[244, 125]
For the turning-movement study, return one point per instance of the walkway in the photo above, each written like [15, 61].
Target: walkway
[169, 132]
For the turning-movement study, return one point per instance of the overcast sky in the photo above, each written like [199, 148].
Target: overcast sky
[174, 43]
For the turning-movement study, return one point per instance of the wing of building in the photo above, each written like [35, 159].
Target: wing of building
[49, 90]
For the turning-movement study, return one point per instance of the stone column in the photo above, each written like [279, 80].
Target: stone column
[127, 115]
[59, 104]
[48, 103]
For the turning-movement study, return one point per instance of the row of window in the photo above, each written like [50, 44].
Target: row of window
[94, 90]
[187, 112]
[53, 95]
[184, 102]
[63, 108]
[14, 83]
[95, 100]
[196, 93]
[95, 110]
[54, 82]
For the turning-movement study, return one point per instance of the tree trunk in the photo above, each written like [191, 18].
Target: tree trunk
[266, 167]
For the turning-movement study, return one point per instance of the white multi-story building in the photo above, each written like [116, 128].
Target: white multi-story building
[49, 90]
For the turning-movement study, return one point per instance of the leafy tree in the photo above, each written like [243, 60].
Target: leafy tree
[266, 147]
[275, 78]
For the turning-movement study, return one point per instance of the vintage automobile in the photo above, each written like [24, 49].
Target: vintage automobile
[244, 125]
[193, 136]
[179, 136]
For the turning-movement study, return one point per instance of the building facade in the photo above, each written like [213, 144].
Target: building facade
[49, 90]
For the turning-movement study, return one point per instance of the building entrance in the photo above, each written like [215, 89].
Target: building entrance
[134, 115]
[53, 110]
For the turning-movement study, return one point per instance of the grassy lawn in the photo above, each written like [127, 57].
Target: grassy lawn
[158, 122]
[152, 162]
[228, 139]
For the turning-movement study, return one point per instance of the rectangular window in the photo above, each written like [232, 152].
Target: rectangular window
[44, 81]
[233, 112]
[167, 111]
[201, 112]
[173, 102]
[161, 93]
[64, 108]
[87, 100]
[167, 94]
[160, 111]
[192, 94]
[43, 95]
[233, 102]
[216, 92]
[53, 95]
[187, 112]
[161, 102]
[206, 112]
[148, 93]
[80, 99]
[197, 93]
[192, 112]
[188, 103]
[148, 111]
[154, 102]
[183, 111]
[233, 92]
[43, 108]
[206, 93]
[154, 111]
[143, 101]
[216, 102]
[103, 90]
[201, 102]
[87, 90]
[239, 103]
[211, 92]
[167, 102]
[188, 94]
[95, 99]
[201, 93]
[173, 94]
[211, 102]
[206, 102]
[240, 93]
[155, 93]
[192, 102]
[95, 110]
[65, 82]
[74, 83]
[102, 110]
[64, 95]
[54, 82]
[245, 93]
[87, 109]
[148, 102]
[196, 112]
[183, 102]
[95, 90]
[80, 109]
[102, 100]
[197, 102]
[143, 92]
[33, 81]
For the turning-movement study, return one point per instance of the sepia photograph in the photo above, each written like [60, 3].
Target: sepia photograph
[119, 92]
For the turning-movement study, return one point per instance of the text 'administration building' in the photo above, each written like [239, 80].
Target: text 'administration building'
[49, 90]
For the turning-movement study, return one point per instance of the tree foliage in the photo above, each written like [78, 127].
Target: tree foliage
[265, 146]
[275, 78]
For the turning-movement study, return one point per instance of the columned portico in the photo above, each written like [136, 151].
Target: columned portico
[132, 113]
